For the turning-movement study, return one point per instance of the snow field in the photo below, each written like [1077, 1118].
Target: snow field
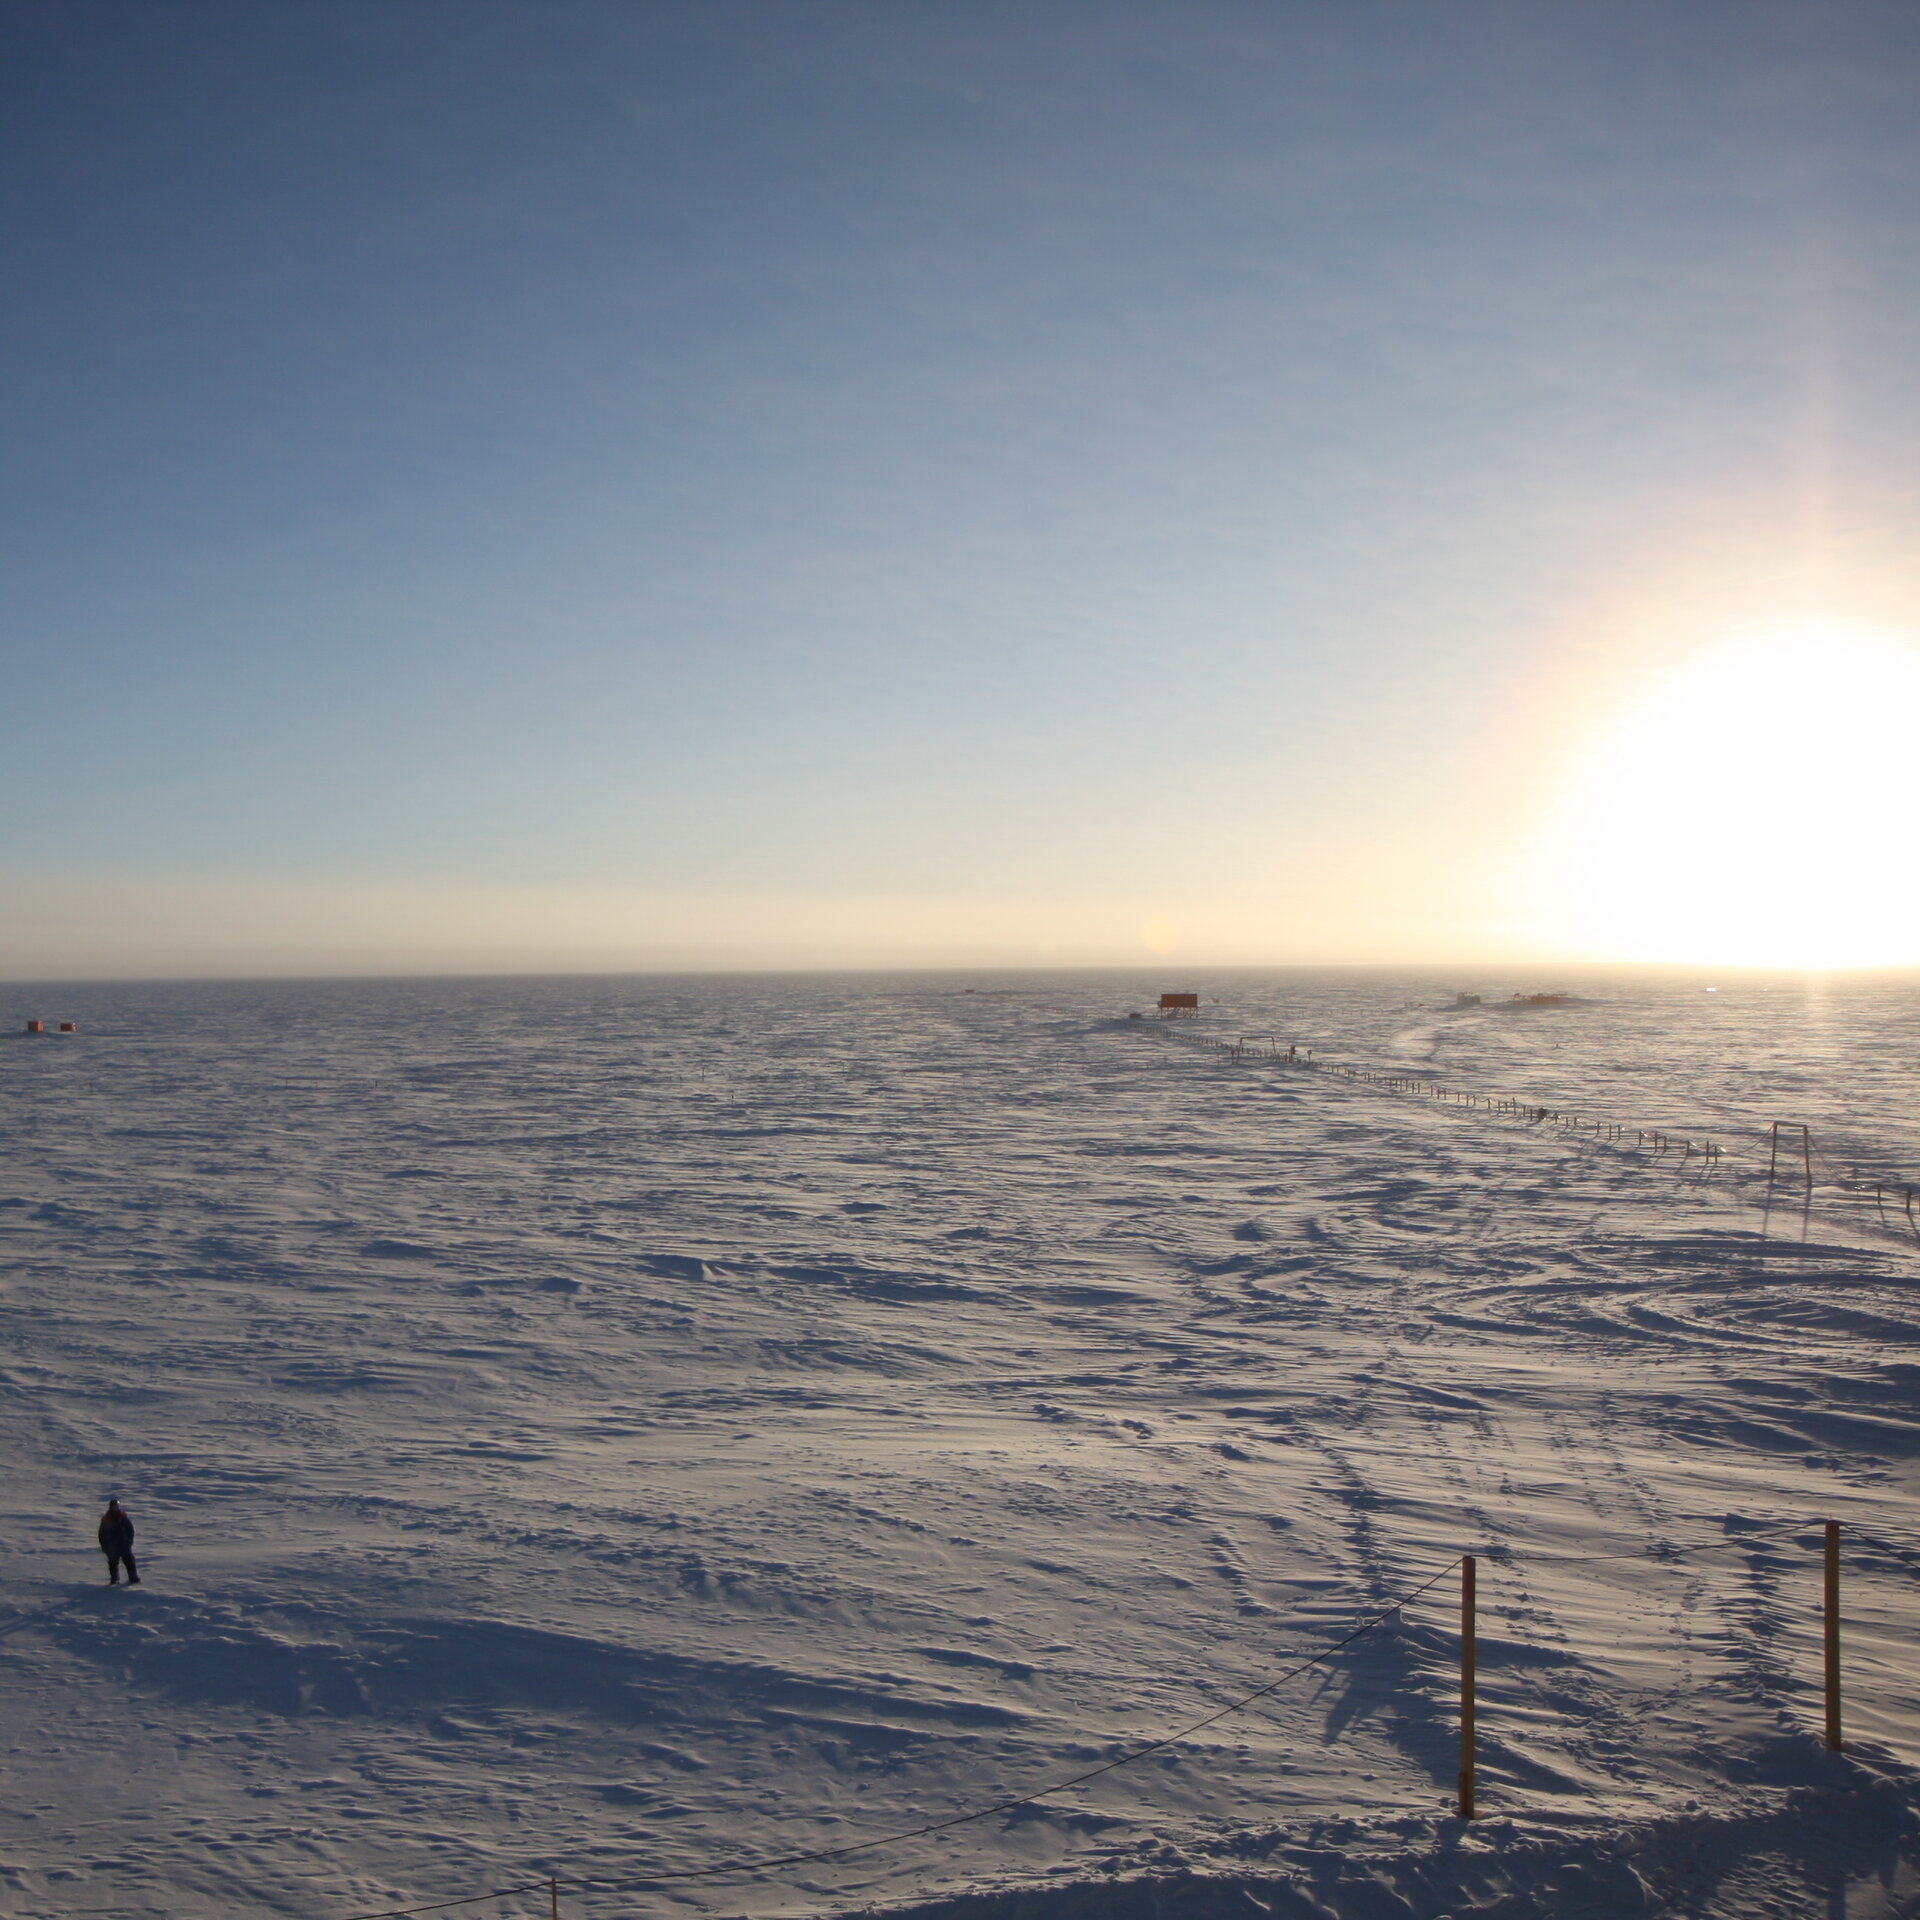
[618, 1427]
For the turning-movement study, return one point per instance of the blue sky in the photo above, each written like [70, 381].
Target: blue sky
[604, 484]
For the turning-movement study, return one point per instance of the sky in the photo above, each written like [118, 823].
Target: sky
[816, 482]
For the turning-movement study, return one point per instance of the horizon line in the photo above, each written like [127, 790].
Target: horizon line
[1749, 970]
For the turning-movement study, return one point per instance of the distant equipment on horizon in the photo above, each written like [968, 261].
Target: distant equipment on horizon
[40, 1026]
[1179, 1006]
[1518, 1000]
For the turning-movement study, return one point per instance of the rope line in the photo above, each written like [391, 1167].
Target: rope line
[728, 1868]
[1423, 1084]
[1709, 1155]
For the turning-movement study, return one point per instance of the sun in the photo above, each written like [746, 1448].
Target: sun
[1757, 808]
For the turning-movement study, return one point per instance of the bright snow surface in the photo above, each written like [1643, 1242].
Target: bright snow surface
[609, 1428]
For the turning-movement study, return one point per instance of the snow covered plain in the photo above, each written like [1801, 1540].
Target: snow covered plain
[618, 1427]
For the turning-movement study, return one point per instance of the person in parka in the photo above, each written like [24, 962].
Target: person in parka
[116, 1542]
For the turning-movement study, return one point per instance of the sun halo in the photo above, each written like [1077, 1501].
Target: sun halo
[1755, 808]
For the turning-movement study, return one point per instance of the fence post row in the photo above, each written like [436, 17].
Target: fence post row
[1710, 1151]
[1467, 1795]
[1469, 1566]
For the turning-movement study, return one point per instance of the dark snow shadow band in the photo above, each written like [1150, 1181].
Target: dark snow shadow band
[728, 1868]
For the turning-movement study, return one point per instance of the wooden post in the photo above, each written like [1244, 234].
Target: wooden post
[1806, 1154]
[1831, 1624]
[1773, 1153]
[1468, 1570]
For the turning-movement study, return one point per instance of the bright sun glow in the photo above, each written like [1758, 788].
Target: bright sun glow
[1758, 808]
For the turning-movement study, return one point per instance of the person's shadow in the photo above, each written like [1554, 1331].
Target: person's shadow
[21, 1620]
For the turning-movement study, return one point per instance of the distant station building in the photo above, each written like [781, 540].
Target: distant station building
[1179, 1006]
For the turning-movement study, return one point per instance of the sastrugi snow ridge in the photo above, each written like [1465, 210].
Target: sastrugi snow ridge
[588, 1426]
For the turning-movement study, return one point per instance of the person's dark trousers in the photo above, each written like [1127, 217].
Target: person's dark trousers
[113, 1569]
